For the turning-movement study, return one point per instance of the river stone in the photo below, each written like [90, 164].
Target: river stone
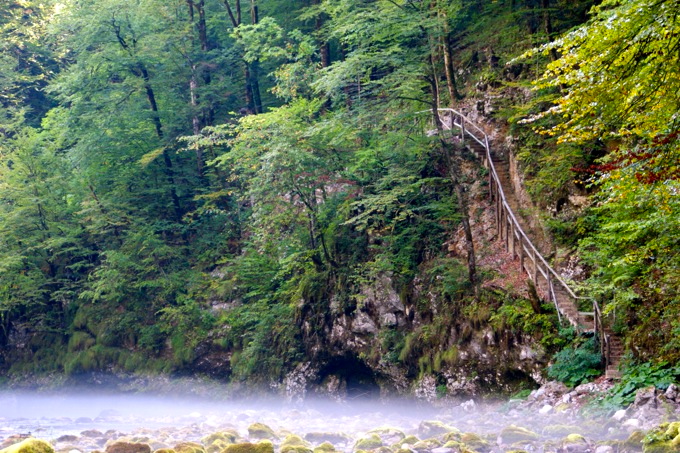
[29, 446]
[261, 431]
[325, 447]
[561, 430]
[368, 443]
[189, 447]
[247, 447]
[433, 428]
[475, 442]
[128, 447]
[67, 438]
[619, 415]
[575, 443]
[604, 449]
[426, 445]
[333, 438]
[389, 436]
[512, 434]
[295, 444]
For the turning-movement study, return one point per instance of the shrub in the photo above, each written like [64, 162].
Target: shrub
[576, 365]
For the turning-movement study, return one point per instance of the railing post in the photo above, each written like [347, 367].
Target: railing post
[462, 128]
[535, 273]
[511, 246]
[521, 253]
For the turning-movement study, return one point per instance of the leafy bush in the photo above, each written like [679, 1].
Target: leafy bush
[638, 376]
[576, 365]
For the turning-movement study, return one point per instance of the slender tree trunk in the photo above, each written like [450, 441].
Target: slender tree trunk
[453, 165]
[324, 47]
[547, 26]
[255, 65]
[169, 171]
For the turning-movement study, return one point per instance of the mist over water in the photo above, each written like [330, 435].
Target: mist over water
[189, 415]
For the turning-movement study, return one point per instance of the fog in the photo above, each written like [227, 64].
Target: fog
[189, 415]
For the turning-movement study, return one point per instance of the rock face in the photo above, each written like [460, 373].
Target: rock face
[375, 347]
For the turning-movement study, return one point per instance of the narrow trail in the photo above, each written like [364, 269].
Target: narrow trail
[517, 233]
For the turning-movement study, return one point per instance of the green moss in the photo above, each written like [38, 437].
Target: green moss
[474, 442]
[128, 447]
[634, 441]
[29, 446]
[189, 447]
[512, 434]
[228, 435]
[561, 430]
[427, 445]
[368, 443]
[325, 447]
[433, 428]
[247, 447]
[409, 440]
[261, 431]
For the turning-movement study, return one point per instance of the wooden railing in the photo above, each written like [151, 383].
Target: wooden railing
[516, 240]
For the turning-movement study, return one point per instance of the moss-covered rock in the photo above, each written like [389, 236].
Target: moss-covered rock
[426, 445]
[29, 446]
[561, 430]
[369, 443]
[261, 431]
[128, 447]
[189, 447]
[333, 438]
[409, 440]
[663, 439]
[575, 443]
[389, 436]
[513, 434]
[475, 442]
[247, 447]
[295, 444]
[164, 450]
[434, 428]
[229, 436]
[634, 442]
[325, 447]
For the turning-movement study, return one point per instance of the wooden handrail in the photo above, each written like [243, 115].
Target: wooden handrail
[505, 217]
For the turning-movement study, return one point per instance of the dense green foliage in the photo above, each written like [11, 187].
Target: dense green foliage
[191, 175]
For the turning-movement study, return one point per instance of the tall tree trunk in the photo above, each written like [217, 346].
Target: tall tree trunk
[547, 26]
[255, 65]
[324, 47]
[453, 164]
[169, 171]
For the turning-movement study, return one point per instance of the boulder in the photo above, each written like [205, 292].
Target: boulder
[434, 428]
[128, 447]
[247, 447]
[369, 443]
[261, 431]
[29, 446]
[513, 434]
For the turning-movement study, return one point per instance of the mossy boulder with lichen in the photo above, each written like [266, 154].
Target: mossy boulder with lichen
[189, 447]
[248, 447]
[29, 446]
[663, 439]
[261, 431]
[475, 442]
[325, 447]
[434, 428]
[128, 447]
[369, 443]
[513, 434]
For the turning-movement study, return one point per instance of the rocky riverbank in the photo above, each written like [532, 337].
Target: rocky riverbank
[551, 419]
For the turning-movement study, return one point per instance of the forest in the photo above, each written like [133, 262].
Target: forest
[247, 189]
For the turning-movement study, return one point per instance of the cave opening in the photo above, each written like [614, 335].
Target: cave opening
[358, 380]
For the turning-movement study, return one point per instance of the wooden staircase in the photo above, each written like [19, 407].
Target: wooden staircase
[516, 232]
